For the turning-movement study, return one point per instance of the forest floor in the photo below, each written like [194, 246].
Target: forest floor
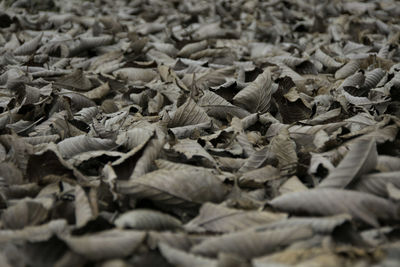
[199, 133]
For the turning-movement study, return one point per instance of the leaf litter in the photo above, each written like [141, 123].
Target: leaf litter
[199, 133]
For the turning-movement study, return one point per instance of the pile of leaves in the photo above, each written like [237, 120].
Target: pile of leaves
[199, 133]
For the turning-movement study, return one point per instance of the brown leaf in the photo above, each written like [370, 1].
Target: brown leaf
[256, 97]
[362, 207]
[249, 244]
[188, 113]
[220, 219]
[186, 188]
[361, 159]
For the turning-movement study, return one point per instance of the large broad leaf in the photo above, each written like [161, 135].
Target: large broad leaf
[249, 244]
[216, 106]
[362, 207]
[256, 97]
[74, 145]
[217, 218]
[183, 188]
[361, 159]
[188, 113]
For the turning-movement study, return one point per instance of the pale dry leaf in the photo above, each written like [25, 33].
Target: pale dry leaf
[141, 219]
[107, 244]
[256, 96]
[324, 202]
[220, 219]
[249, 244]
[361, 159]
[186, 188]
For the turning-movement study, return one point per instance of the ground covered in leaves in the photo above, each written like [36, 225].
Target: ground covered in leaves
[199, 133]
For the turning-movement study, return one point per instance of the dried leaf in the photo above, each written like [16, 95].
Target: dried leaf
[256, 96]
[74, 145]
[325, 202]
[186, 188]
[249, 244]
[361, 159]
[188, 113]
[142, 219]
[106, 245]
[220, 219]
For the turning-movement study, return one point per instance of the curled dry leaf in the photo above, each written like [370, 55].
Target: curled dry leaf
[186, 188]
[147, 220]
[361, 159]
[220, 219]
[256, 96]
[25, 213]
[249, 244]
[106, 245]
[321, 225]
[181, 258]
[74, 145]
[259, 177]
[376, 183]
[135, 74]
[325, 202]
[285, 151]
[83, 210]
[188, 113]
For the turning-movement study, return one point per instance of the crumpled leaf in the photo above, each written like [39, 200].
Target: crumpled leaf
[193, 151]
